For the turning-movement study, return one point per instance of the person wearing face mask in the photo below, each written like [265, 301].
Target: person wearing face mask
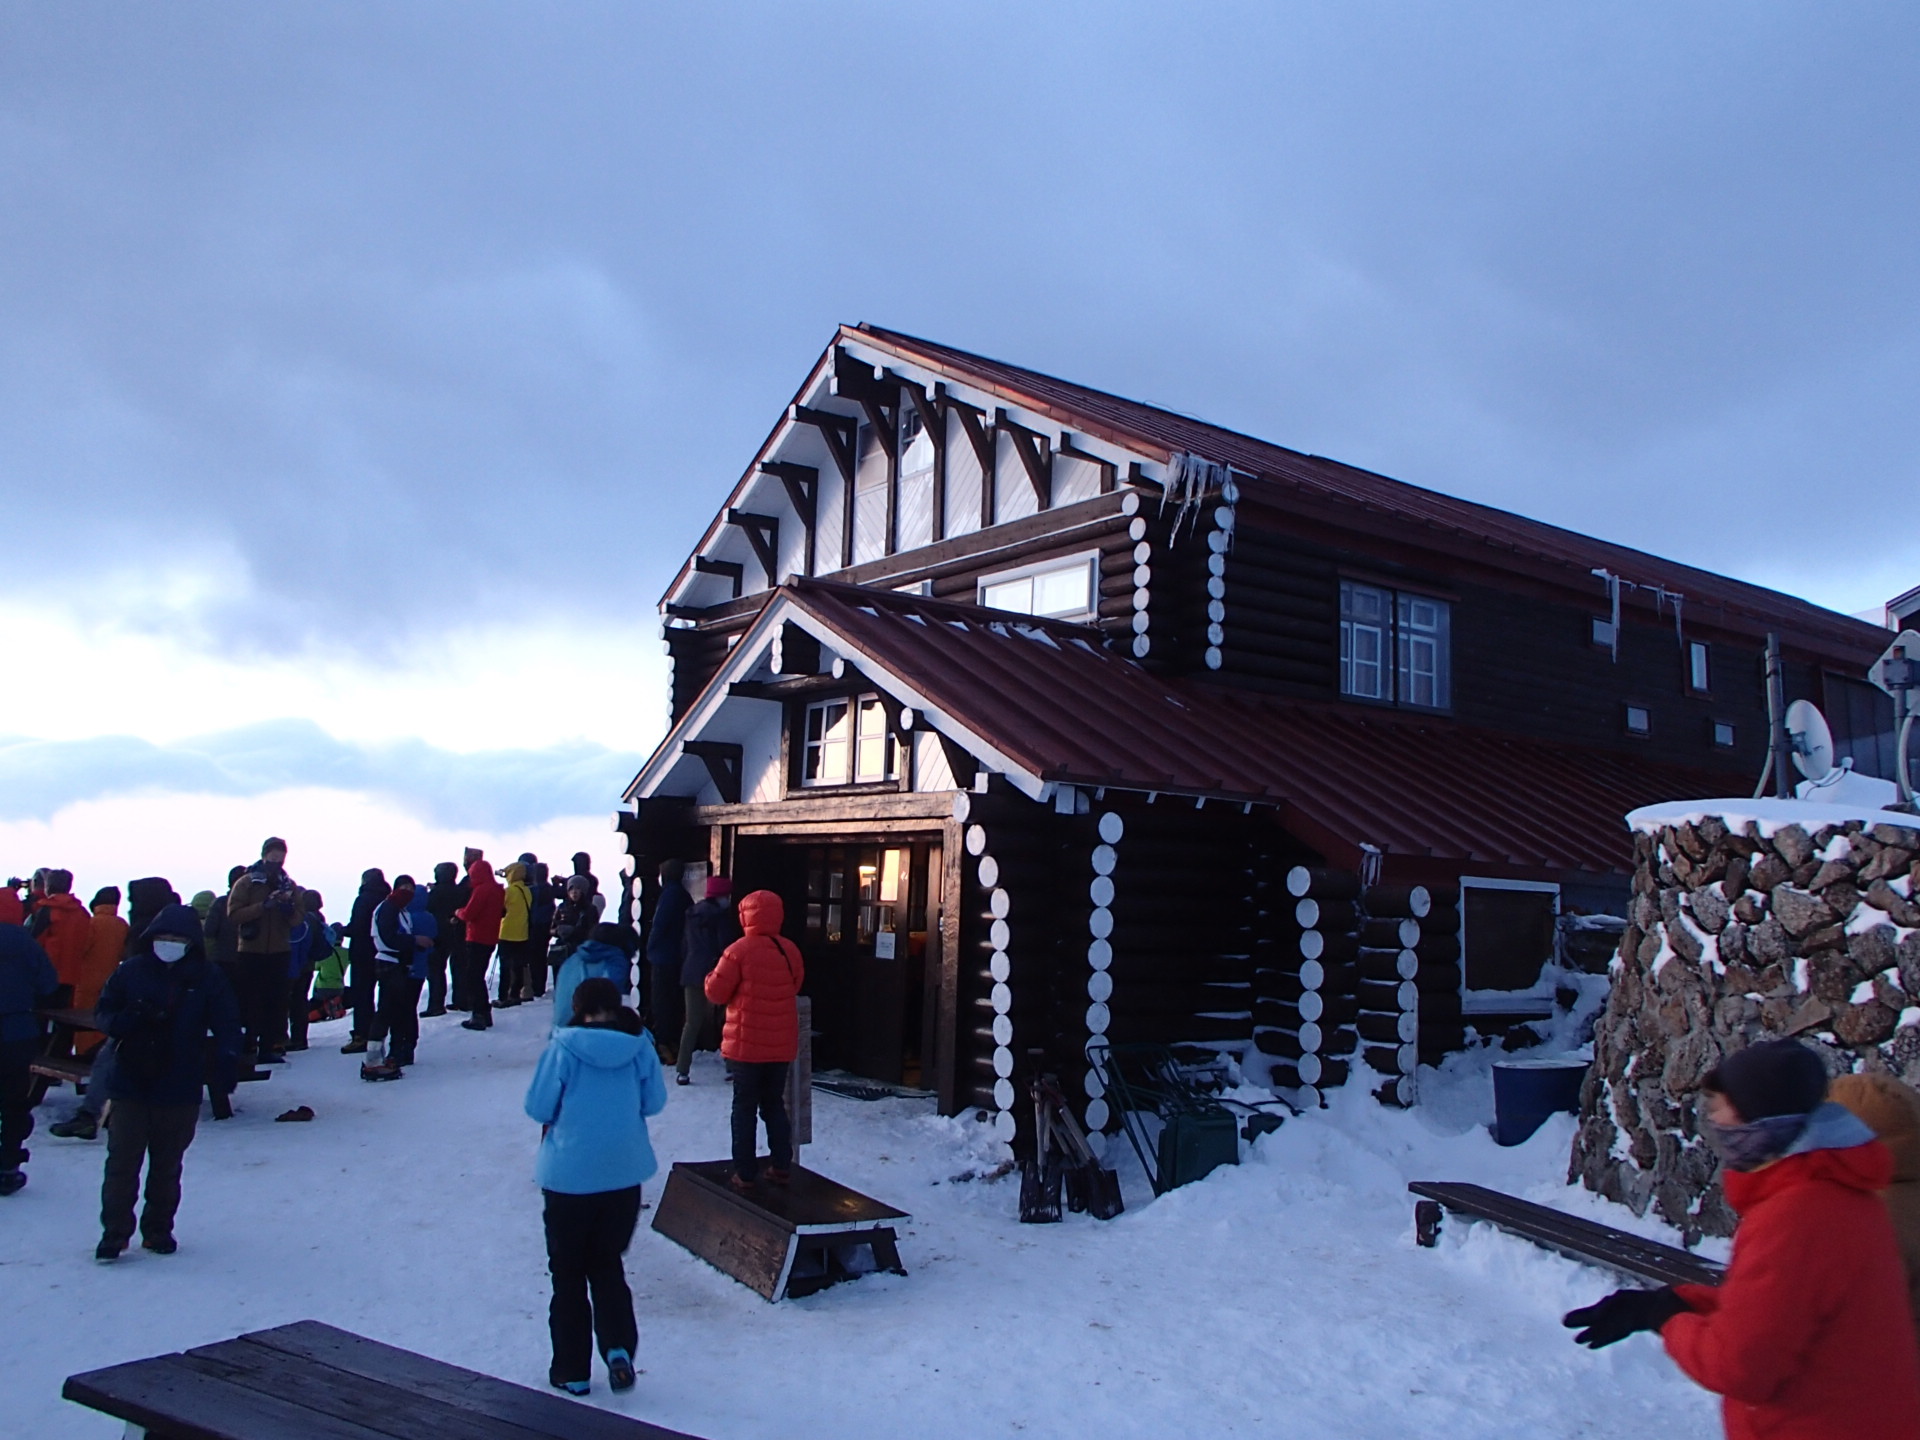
[27, 982]
[1809, 1336]
[167, 1006]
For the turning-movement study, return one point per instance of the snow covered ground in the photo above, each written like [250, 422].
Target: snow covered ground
[1282, 1296]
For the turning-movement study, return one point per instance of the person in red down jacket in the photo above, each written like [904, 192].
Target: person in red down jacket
[486, 906]
[758, 979]
[1809, 1337]
[63, 927]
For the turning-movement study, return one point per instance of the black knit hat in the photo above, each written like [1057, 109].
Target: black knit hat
[1773, 1077]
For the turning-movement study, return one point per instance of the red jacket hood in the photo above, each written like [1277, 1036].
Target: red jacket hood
[762, 913]
[1867, 1167]
[482, 876]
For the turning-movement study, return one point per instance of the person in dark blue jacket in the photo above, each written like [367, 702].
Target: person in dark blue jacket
[27, 982]
[711, 928]
[403, 934]
[592, 1092]
[666, 945]
[176, 1019]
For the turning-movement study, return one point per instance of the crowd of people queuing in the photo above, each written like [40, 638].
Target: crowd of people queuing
[171, 1005]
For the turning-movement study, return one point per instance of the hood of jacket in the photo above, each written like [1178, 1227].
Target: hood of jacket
[762, 913]
[516, 874]
[1836, 1148]
[373, 883]
[598, 952]
[1889, 1108]
[601, 1046]
[446, 873]
[481, 874]
[67, 902]
[177, 920]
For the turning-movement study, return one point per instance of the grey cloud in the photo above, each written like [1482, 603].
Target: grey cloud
[493, 790]
[439, 309]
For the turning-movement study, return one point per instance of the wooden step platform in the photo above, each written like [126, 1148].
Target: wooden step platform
[780, 1240]
[1587, 1241]
[309, 1381]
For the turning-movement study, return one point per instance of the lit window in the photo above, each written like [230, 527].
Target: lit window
[1639, 720]
[827, 748]
[1723, 734]
[1060, 590]
[1375, 624]
[1698, 673]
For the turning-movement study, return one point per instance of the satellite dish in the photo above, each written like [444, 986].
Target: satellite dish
[1812, 741]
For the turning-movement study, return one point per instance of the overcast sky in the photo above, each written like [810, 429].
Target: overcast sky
[375, 366]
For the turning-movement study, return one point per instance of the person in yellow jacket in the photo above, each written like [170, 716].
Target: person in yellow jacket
[516, 949]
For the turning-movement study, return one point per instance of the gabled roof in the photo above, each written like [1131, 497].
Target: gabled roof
[1047, 703]
[1285, 478]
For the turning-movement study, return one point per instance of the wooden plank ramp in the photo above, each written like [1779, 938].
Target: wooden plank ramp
[1587, 1241]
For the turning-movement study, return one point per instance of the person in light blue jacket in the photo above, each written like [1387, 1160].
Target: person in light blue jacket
[595, 1086]
[600, 955]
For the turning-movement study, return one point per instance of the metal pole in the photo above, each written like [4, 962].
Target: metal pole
[1779, 745]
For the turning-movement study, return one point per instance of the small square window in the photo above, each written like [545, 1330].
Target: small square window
[1699, 672]
[1639, 720]
[1723, 734]
[1603, 633]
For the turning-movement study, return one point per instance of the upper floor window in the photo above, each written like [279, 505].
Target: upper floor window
[848, 741]
[1058, 589]
[1699, 668]
[1394, 646]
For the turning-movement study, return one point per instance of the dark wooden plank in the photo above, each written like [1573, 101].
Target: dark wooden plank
[1579, 1239]
[62, 1067]
[173, 1400]
[540, 1413]
[736, 1238]
[810, 1198]
[72, 1019]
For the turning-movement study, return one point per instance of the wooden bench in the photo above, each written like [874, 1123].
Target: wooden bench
[1587, 1241]
[788, 1239]
[309, 1381]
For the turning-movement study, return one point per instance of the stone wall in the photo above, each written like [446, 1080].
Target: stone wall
[1739, 932]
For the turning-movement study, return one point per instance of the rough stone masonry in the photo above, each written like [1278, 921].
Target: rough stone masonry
[1741, 932]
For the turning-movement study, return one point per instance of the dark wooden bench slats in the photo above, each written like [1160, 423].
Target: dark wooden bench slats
[309, 1381]
[544, 1414]
[170, 1397]
[1579, 1239]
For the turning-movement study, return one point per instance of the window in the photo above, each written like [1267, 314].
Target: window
[848, 742]
[1723, 734]
[1394, 646]
[1699, 673]
[1602, 633]
[1639, 721]
[916, 480]
[1058, 589]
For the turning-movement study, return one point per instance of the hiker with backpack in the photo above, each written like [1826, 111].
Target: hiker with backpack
[758, 980]
[168, 1007]
[603, 957]
[592, 1093]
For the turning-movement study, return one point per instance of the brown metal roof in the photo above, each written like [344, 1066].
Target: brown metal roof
[1284, 478]
[1050, 697]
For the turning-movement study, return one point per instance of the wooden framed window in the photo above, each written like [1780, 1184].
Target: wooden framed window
[1058, 589]
[1395, 646]
[847, 741]
[915, 449]
[1723, 734]
[1699, 668]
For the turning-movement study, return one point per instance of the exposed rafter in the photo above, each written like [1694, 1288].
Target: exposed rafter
[763, 534]
[980, 436]
[1036, 455]
[1109, 472]
[836, 430]
[723, 762]
[731, 569]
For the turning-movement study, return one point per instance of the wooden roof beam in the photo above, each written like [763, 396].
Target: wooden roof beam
[1036, 455]
[835, 430]
[1109, 471]
[729, 569]
[723, 762]
[802, 484]
[763, 534]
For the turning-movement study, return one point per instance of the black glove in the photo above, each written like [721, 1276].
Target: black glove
[1623, 1313]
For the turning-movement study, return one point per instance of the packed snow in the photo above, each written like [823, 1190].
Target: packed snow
[1770, 816]
[1285, 1292]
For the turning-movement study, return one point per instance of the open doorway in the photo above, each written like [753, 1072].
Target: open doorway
[866, 916]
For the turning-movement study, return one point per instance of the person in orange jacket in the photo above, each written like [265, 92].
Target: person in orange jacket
[758, 980]
[1891, 1109]
[1809, 1337]
[61, 925]
[106, 946]
[485, 908]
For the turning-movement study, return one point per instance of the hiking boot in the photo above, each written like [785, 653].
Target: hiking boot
[81, 1127]
[739, 1182]
[680, 1079]
[297, 1045]
[572, 1387]
[474, 1025]
[433, 1010]
[12, 1182]
[109, 1250]
[387, 1071]
[355, 1046]
[160, 1244]
[779, 1175]
[619, 1369]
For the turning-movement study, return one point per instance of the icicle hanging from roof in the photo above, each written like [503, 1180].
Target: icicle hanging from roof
[1190, 479]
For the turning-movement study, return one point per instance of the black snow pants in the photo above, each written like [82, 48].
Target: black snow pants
[586, 1237]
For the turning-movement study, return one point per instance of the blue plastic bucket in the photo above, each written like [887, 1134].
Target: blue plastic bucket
[1526, 1092]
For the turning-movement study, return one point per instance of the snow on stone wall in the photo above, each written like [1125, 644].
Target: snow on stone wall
[1763, 920]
